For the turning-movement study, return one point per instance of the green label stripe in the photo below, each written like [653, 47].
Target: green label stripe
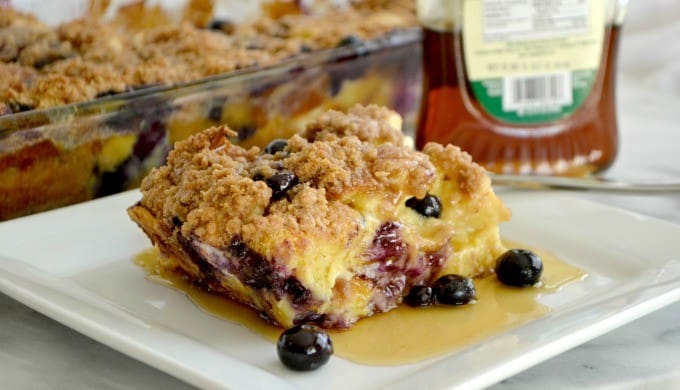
[489, 94]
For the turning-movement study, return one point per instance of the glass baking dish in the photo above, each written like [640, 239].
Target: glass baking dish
[58, 156]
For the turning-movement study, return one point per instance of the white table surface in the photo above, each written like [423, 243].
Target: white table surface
[39, 353]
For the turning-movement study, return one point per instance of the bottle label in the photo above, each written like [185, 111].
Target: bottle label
[532, 61]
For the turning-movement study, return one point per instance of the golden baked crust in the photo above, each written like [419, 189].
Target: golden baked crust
[340, 244]
[87, 58]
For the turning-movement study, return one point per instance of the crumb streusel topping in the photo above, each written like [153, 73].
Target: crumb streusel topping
[42, 66]
[208, 182]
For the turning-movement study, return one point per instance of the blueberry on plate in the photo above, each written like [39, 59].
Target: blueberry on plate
[519, 267]
[304, 347]
[454, 290]
[420, 296]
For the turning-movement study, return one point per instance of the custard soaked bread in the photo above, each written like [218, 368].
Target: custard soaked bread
[331, 226]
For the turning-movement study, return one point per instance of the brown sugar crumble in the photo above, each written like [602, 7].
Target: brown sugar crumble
[43, 66]
[209, 182]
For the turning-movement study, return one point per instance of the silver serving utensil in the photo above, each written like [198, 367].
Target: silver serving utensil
[575, 183]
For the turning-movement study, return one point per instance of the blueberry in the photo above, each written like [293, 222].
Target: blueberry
[519, 267]
[215, 112]
[304, 347]
[254, 270]
[225, 26]
[16, 106]
[429, 206]
[151, 136]
[420, 296]
[454, 290]
[280, 183]
[245, 131]
[297, 292]
[349, 40]
[277, 145]
[113, 182]
[388, 244]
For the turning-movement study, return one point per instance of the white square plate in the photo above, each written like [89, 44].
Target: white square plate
[75, 265]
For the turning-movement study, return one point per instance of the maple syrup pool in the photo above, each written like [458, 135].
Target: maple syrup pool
[396, 337]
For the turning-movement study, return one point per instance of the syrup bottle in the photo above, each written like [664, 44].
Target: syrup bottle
[524, 86]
